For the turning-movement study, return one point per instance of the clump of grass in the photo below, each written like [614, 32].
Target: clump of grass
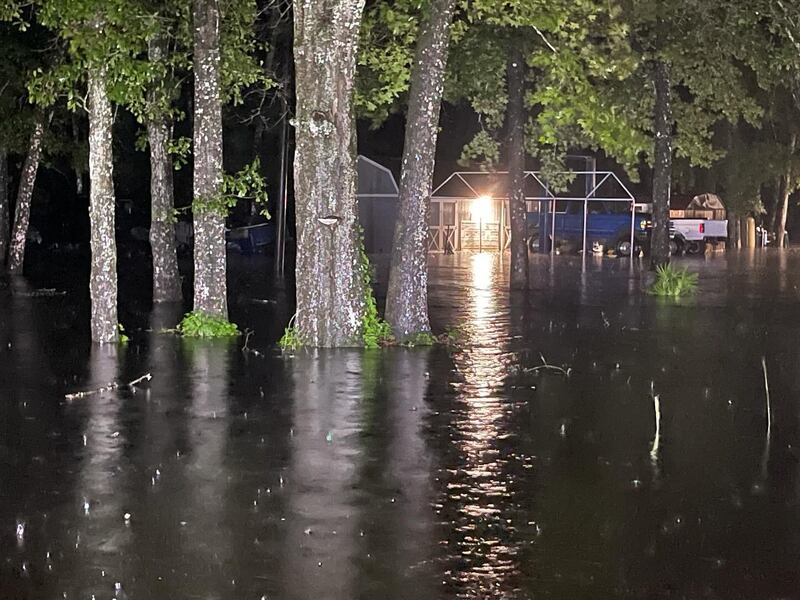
[122, 339]
[199, 324]
[422, 338]
[673, 282]
[453, 335]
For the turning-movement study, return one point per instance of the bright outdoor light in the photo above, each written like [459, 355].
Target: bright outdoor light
[481, 209]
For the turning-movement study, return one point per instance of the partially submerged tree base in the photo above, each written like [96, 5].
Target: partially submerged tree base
[201, 325]
[375, 332]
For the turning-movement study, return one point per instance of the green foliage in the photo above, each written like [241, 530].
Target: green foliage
[483, 149]
[422, 338]
[122, 339]
[290, 340]
[453, 335]
[200, 325]
[239, 68]
[673, 282]
[375, 331]
[386, 51]
[180, 149]
[247, 184]
[590, 79]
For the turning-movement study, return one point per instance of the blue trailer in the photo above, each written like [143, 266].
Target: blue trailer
[249, 239]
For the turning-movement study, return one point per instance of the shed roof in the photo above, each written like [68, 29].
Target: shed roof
[374, 179]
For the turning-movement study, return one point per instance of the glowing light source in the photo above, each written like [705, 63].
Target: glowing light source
[481, 209]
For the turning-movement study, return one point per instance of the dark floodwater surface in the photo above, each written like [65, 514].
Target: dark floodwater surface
[414, 473]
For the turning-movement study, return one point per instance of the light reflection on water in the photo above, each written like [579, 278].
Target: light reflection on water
[419, 473]
[478, 491]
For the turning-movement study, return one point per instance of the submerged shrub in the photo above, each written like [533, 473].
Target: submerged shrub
[423, 338]
[674, 282]
[199, 324]
[375, 331]
[290, 340]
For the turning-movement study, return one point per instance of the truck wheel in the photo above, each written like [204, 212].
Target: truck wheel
[694, 247]
[623, 247]
[677, 247]
[673, 248]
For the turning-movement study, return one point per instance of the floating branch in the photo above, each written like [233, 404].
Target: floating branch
[548, 367]
[657, 435]
[246, 348]
[766, 393]
[654, 450]
[561, 370]
[41, 293]
[768, 441]
[111, 386]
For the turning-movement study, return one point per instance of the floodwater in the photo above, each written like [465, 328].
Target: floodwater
[582, 440]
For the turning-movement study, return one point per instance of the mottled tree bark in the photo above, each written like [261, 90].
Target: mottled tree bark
[662, 169]
[103, 281]
[22, 210]
[786, 190]
[776, 207]
[734, 230]
[516, 168]
[210, 285]
[166, 279]
[330, 294]
[407, 296]
[5, 226]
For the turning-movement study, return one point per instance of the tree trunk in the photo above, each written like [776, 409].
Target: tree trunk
[776, 207]
[5, 229]
[210, 284]
[166, 279]
[103, 282]
[662, 175]
[22, 211]
[516, 169]
[407, 296]
[330, 293]
[734, 231]
[786, 191]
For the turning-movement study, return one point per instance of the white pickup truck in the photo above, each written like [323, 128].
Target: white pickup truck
[690, 235]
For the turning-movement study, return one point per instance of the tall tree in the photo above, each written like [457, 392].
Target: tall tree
[4, 208]
[103, 277]
[166, 278]
[694, 56]
[516, 167]
[788, 185]
[210, 284]
[24, 134]
[407, 296]
[663, 123]
[22, 209]
[330, 293]
[103, 40]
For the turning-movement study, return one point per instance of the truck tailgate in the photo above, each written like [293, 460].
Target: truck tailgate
[717, 228]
